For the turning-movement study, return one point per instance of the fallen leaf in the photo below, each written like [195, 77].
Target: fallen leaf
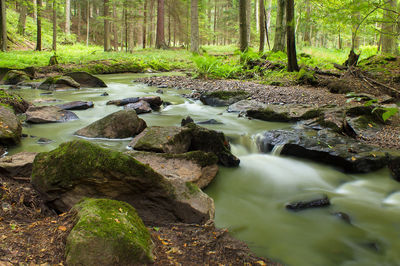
[261, 262]
[116, 220]
[120, 209]
[62, 228]
[353, 158]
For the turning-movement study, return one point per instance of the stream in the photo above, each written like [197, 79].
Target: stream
[250, 200]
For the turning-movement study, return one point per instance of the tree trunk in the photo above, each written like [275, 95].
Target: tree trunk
[39, 26]
[3, 25]
[279, 42]
[151, 15]
[67, 17]
[160, 41]
[261, 16]
[107, 43]
[194, 33]
[388, 28]
[291, 39]
[243, 25]
[54, 25]
[79, 20]
[307, 28]
[144, 23]
[87, 22]
[34, 3]
[248, 20]
[115, 28]
[22, 18]
[215, 23]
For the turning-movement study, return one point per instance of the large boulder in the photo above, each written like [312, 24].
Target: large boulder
[285, 113]
[17, 165]
[13, 100]
[223, 98]
[140, 107]
[118, 125]
[14, 77]
[154, 101]
[87, 80]
[327, 147]
[76, 105]
[245, 105]
[197, 167]
[163, 139]
[58, 82]
[10, 127]
[125, 101]
[81, 169]
[49, 114]
[108, 232]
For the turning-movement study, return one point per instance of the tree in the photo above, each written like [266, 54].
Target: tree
[243, 25]
[106, 8]
[194, 33]
[291, 39]
[67, 17]
[54, 25]
[3, 25]
[22, 17]
[307, 28]
[144, 23]
[279, 42]
[262, 25]
[160, 40]
[39, 25]
[388, 27]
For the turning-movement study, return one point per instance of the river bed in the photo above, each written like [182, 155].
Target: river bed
[250, 200]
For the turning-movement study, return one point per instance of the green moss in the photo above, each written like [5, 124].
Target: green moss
[193, 188]
[226, 95]
[268, 114]
[108, 231]
[306, 77]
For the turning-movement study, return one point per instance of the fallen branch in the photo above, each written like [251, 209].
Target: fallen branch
[340, 67]
[394, 92]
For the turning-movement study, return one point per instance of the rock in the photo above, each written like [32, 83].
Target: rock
[58, 82]
[80, 169]
[44, 141]
[207, 140]
[17, 165]
[14, 77]
[14, 87]
[327, 147]
[46, 93]
[10, 127]
[394, 167]
[245, 105]
[108, 232]
[118, 125]
[105, 94]
[46, 100]
[13, 100]
[196, 167]
[343, 216]
[123, 101]
[339, 86]
[87, 80]
[163, 139]
[154, 101]
[315, 203]
[160, 91]
[186, 121]
[49, 114]
[285, 113]
[223, 98]
[76, 105]
[140, 107]
[210, 122]
[333, 118]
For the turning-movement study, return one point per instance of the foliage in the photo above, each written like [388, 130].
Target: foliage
[213, 67]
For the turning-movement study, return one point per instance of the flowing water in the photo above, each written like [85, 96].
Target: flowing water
[250, 200]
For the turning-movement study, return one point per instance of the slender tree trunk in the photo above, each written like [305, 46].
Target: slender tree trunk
[243, 25]
[194, 33]
[215, 23]
[34, 3]
[54, 25]
[3, 25]
[248, 20]
[291, 39]
[22, 18]
[144, 23]
[107, 43]
[115, 27]
[307, 24]
[67, 17]
[279, 41]
[151, 15]
[87, 22]
[388, 28]
[169, 24]
[79, 20]
[160, 40]
[39, 26]
[261, 21]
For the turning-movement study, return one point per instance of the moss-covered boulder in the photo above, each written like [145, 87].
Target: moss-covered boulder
[108, 232]
[223, 98]
[163, 139]
[118, 125]
[14, 77]
[13, 100]
[58, 82]
[10, 127]
[197, 167]
[49, 114]
[285, 113]
[87, 80]
[81, 169]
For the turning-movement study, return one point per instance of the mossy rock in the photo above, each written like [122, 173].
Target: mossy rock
[163, 139]
[108, 232]
[285, 113]
[307, 77]
[223, 98]
[58, 82]
[118, 125]
[87, 80]
[10, 127]
[14, 101]
[81, 169]
[13, 77]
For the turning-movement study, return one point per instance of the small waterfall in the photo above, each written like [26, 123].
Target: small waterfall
[276, 151]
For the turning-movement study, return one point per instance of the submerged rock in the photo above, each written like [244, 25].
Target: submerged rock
[108, 232]
[314, 203]
[76, 105]
[223, 98]
[59, 82]
[80, 169]
[154, 101]
[327, 147]
[87, 80]
[210, 122]
[196, 167]
[44, 141]
[10, 127]
[118, 125]
[140, 107]
[17, 165]
[49, 114]
[14, 77]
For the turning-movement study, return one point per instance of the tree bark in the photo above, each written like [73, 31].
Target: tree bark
[388, 28]
[248, 20]
[115, 28]
[107, 43]
[87, 22]
[262, 25]
[160, 41]
[291, 39]
[279, 41]
[194, 33]
[243, 25]
[39, 26]
[54, 25]
[144, 23]
[22, 18]
[3, 25]
[67, 17]
[307, 28]
[34, 3]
